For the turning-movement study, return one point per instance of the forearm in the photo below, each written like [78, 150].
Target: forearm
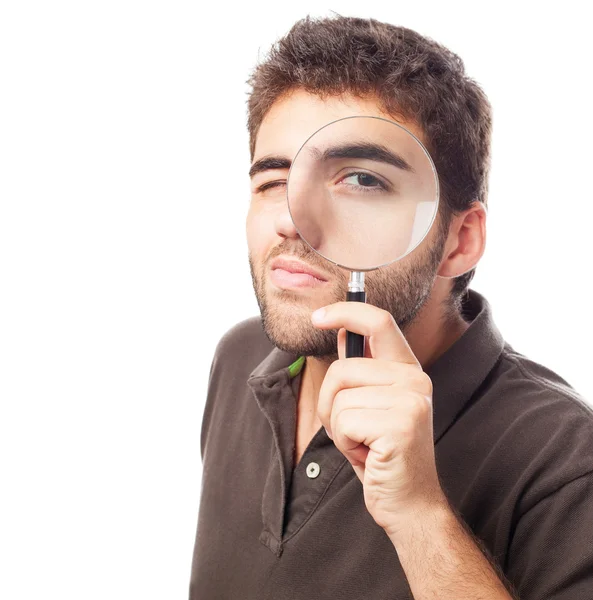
[442, 560]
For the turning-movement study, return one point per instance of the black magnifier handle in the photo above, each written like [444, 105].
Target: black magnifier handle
[356, 293]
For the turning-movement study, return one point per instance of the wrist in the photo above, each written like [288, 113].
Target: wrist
[423, 518]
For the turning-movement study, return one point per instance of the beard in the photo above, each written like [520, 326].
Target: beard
[401, 288]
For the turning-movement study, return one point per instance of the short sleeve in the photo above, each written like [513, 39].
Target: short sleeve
[232, 345]
[207, 411]
[551, 551]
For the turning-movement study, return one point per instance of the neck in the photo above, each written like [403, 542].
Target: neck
[431, 333]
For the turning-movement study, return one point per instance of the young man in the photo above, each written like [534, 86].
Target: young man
[443, 464]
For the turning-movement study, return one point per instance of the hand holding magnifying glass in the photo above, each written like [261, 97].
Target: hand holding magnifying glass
[363, 193]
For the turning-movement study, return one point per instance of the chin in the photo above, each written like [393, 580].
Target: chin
[290, 329]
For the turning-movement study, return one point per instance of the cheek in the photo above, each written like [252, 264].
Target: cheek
[260, 233]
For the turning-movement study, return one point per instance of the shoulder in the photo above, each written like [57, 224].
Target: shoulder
[538, 425]
[239, 350]
[247, 329]
[245, 343]
[538, 390]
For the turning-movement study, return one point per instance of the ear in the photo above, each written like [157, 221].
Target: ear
[466, 241]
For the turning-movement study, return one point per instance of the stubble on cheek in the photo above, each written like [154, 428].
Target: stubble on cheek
[286, 318]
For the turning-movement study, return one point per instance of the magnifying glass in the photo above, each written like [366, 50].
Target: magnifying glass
[362, 192]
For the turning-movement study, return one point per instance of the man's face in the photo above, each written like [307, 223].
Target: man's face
[286, 302]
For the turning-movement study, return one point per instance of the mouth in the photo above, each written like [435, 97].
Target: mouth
[289, 273]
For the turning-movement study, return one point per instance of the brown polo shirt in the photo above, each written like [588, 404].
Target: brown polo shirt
[514, 452]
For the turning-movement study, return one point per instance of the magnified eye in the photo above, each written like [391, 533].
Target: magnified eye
[365, 182]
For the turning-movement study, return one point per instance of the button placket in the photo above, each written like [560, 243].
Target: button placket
[273, 393]
[312, 481]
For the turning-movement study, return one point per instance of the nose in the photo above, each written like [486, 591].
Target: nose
[306, 209]
[283, 222]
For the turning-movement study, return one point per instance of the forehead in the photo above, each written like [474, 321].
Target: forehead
[297, 115]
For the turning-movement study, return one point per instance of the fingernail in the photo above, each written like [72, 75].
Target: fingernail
[328, 435]
[319, 314]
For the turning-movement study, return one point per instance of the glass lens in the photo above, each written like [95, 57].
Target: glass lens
[362, 192]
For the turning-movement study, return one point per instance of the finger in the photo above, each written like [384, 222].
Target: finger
[369, 397]
[357, 430]
[363, 372]
[401, 410]
[385, 338]
[341, 343]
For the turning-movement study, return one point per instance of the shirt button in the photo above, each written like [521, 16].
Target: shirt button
[313, 470]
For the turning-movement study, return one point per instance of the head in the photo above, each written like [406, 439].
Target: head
[331, 68]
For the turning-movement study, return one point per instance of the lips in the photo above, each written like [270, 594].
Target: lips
[295, 266]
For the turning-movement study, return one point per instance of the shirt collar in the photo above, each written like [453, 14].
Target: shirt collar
[458, 373]
[455, 375]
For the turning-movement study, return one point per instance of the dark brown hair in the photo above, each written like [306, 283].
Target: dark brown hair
[411, 77]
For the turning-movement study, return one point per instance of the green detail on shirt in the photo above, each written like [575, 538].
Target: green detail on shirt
[296, 366]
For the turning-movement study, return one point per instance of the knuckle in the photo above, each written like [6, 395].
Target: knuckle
[322, 410]
[345, 425]
[335, 370]
[419, 406]
[386, 320]
[424, 383]
[340, 398]
[415, 379]
[336, 423]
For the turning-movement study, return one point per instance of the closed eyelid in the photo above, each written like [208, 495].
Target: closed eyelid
[268, 185]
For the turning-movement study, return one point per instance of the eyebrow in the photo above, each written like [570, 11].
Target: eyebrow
[369, 150]
[270, 162]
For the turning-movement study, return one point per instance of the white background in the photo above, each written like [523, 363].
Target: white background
[124, 189]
